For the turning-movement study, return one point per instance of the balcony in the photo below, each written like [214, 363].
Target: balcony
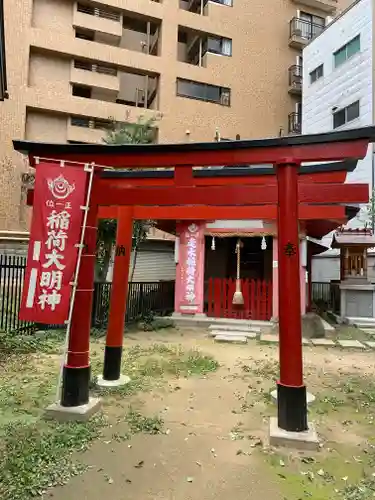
[108, 22]
[196, 6]
[295, 79]
[193, 46]
[302, 31]
[294, 123]
[95, 75]
[329, 6]
[136, 90]
[141, 34]
[87, 130]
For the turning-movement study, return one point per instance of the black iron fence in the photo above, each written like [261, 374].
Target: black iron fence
[326, 295]
[143, 298]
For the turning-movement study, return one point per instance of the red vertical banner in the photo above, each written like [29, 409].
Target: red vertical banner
[56, 229]
[191, 268]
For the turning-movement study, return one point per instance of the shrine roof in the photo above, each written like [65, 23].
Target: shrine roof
[353, 237]
[235, 171]
[77, 152]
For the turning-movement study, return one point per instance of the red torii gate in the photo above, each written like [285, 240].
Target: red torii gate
[286, 154]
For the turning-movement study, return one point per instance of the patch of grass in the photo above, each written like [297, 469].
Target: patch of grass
[161, 359]
[350, 332]
[337, 472]
[36, 456]
[265, 370]
[12, 344]
[363, 490]
[138, 423]
[326, 404]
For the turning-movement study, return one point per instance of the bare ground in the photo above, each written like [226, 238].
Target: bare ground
[214, 441]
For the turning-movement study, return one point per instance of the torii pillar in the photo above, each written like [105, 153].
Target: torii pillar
[112, 376]
[291, 391]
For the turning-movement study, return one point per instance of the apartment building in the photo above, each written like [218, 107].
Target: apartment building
[338, 93]
[73, 66]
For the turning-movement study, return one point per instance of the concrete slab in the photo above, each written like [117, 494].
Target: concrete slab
[234, 339]
[307, 440]
[362, 322]
[322, 342]
[327, 327]
[229, 333]
[305, 341]
[351, 344]
[370, 344]
[310, 398]
[235, 328]
[202, 320]
[76, 413]
[101, 382]
[369, 331]
[271, 339]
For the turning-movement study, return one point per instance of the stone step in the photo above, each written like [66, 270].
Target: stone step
[370, 344]
[271, 339]
[362, 322]
[235, 328]
[323, 342]
[234, 339]
[369, 331]
[351, 344]
[274, 339]
[233, 333]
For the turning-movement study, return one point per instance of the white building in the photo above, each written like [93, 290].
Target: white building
[338, 94]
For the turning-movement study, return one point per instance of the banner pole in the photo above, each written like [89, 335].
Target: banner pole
[91, 169]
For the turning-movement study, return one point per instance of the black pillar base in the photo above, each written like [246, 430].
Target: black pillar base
[292, 408]
[112, 363]
[75, 386]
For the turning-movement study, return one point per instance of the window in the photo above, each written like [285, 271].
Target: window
[311, 26]
[221, 46]
[81, 91]
[346, 115]
[229, 3]
[203, 92]
[85, 35]
[347, 51]
[316, 74]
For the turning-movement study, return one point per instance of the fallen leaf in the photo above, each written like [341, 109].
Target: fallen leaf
[189, 479]
[139, 464]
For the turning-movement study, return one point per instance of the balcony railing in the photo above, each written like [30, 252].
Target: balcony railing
[301, 28]
[295, 78]
[294, 123]
[90, 123]
[97, 68]
[95, 11]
